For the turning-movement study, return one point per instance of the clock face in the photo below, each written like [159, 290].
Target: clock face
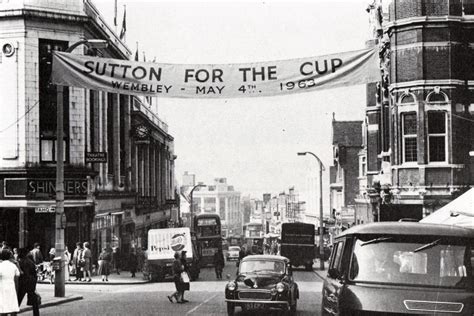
[141, 131]
[8, 49]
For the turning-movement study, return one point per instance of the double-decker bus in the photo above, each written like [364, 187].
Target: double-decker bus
[208, 236]
[253, 234]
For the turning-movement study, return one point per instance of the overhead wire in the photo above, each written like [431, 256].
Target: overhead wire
[21, 117]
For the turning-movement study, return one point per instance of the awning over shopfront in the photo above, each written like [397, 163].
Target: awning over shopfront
[459, 212]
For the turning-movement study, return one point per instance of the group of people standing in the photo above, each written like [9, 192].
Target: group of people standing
[181, 278]
[17, 278]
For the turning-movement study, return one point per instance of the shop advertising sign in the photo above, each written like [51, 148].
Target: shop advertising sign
[216, 80]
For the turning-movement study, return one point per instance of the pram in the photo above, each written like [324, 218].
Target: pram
[44, 271]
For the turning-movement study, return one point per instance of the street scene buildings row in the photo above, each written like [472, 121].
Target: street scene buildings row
[409, 156]
[119, 156]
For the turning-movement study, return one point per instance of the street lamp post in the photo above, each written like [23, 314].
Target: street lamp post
[321, 224]
[191, 208]
[59, 282]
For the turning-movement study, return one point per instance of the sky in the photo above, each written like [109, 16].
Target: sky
[253, 142]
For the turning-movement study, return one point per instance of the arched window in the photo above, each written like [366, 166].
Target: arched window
[437, 96]
[407, 98]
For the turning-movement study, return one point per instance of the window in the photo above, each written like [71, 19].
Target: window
[362, 166]
[336, 260]
[468, 7]
[48, 150]
[222, 208]
[48, 100]
[436, 136]
[409, 128]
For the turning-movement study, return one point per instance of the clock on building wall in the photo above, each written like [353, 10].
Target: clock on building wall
[141, 131]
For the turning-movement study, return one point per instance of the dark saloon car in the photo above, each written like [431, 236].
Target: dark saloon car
[397, 268]
[263, 282]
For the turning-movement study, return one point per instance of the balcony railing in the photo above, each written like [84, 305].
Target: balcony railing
[139, 106]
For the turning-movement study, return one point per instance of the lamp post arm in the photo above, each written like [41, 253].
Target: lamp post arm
[319, 160]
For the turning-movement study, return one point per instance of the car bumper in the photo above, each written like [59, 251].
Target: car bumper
[267, 303]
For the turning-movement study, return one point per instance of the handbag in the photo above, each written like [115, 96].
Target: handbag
[184, 277]
[31, 298]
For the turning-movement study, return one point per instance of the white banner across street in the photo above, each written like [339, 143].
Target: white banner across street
[216, 80]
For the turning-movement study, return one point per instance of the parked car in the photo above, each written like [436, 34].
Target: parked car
[263, 282]
[400, 268]
[233, 253]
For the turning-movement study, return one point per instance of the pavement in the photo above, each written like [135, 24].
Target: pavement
[48, 298]
[317, 269]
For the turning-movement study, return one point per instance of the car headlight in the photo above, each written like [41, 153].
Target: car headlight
[280, 287]
[231, 286]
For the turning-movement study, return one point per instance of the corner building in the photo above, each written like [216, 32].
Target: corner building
[421, 120]
[110, 203]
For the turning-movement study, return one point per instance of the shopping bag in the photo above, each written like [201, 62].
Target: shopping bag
[184, 277]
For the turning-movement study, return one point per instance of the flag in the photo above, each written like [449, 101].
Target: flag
[124, 23]
[115, 14]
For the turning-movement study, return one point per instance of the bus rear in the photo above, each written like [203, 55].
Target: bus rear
[208, 234]
[297, 244]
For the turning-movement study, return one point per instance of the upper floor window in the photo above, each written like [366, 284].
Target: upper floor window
[436, 136]
[468, 7]
[409, 137]
[407, 99]
[362, 166]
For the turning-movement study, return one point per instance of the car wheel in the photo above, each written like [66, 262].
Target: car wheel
[230, 309]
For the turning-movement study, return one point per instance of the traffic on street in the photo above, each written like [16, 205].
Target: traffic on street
[206, 296]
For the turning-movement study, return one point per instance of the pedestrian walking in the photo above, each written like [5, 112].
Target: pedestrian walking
[27, 281]
[9, 274]
[133, 262]
[104, 264]
[15, 254]
[177, 270]
[116, 259]
[36, 254]
[219, 263]
[87, 258]
[184, 276]
[76, 261]
[67, 264]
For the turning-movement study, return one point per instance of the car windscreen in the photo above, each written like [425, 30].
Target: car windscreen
[413, 260]
[262, 266]
[234, 249]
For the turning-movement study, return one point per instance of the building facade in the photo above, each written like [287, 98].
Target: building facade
[420, 116]
[344, 175]
[111, 203]
[220, 198]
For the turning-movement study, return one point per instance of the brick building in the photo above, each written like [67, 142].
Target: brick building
[344, 175]
[420, 116]
[112, 203]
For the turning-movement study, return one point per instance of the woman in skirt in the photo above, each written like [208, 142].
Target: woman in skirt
[104, 264]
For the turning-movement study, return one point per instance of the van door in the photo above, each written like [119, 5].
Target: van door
[334, 281]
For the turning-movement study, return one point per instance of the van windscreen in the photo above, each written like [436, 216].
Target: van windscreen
[428, 261]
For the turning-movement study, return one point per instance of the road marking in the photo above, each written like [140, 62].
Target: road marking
[195, 308]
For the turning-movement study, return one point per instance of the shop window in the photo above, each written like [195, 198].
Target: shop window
[436, 136]
[409, 135]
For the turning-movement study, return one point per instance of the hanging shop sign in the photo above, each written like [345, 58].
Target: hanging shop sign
[216, 80]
